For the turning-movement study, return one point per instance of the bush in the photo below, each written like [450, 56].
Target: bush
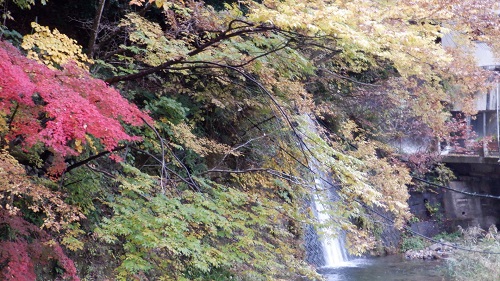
[478, 266]
[475, 266]
[449, 237]
[410, 242]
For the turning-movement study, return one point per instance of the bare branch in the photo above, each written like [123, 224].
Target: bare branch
[163, 174]
[238, 147]
[347, 78]
[99, 155]
[166, 167]
[95, 28]
[223, 36]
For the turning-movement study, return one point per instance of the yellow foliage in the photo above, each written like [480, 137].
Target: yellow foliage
[15, 184]
[159, 48]
[53, 48]
[3, 124]
[200, 145]
[387, 176]
[363, 29]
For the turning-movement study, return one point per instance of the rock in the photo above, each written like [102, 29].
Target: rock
[434, 251]
[435, 247]
[410, 254]
[437, 256]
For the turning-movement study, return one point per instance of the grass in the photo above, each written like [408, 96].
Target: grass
[477, 266]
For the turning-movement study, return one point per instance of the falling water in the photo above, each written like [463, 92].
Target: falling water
[325, 250]
[334, 250]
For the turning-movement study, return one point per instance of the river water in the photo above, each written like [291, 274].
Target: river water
[390, 268]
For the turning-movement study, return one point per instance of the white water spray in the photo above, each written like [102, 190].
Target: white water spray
[334, 251]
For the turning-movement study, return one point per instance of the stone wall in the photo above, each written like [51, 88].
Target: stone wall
[465, 210]
[446, 209]
[481, 177]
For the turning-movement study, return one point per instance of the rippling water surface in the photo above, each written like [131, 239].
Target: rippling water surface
[391, 268]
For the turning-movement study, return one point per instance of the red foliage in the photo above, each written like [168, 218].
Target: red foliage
[462, 138]
[24, 246]
[56, 107]
[16, 262]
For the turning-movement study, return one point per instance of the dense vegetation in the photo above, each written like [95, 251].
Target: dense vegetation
[482, 262]
[185, 140]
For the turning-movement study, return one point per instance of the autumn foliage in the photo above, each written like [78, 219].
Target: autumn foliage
[254, 110]
[60, 108]
[25, 248]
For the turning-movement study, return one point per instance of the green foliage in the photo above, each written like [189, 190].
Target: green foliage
[217, 274]
[83, 187]
[449, 237]
[168, 234]
[412, 242]
[165, 108]
[27, 4]
[12, 36]
[433, 209]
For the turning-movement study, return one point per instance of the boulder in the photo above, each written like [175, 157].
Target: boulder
[432, 252]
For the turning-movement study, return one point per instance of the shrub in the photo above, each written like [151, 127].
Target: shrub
[25, 250]
[410, 242]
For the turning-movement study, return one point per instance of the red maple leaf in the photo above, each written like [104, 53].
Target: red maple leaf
[58, 107]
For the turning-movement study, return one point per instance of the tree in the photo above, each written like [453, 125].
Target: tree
[245, 99]
[61, 109]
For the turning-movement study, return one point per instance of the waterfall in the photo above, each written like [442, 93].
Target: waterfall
[333, 248]
[326, 250]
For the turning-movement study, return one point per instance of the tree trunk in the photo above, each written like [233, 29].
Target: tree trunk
[95, 28]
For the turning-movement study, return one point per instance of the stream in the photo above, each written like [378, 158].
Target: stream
[390, 268]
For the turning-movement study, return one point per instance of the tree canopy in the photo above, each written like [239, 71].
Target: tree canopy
[186, 141]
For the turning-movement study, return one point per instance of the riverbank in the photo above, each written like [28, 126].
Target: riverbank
[469, 254]
[481, 262]
[436, 251]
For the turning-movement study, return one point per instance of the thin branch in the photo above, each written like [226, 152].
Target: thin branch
[230, 25]
[238, 147]
[235, 171]
[182, 59]
[262, 55]
[162, 162]
[256, 125]
[185, 169]
[85, 161]
[166, 167]
[106, 173]
[273, 172]
[347, 78]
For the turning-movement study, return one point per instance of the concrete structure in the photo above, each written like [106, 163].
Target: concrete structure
[467, 210]
[477, 171]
